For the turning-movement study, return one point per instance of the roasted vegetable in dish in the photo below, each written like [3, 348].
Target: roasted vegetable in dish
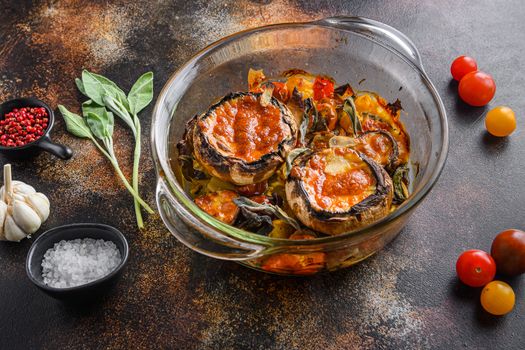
[336, 190]
[220, 205]
[296, 157]
[244, 139]
[300, 264]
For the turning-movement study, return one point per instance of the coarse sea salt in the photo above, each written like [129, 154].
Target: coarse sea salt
[79, 261]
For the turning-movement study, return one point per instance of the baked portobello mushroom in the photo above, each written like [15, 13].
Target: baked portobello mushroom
[244, 137]
[337, 190]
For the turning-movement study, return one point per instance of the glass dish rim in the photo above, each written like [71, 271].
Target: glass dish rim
[164, 170]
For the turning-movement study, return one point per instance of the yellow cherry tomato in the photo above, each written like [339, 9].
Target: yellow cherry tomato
[500, 121]
[497, 298]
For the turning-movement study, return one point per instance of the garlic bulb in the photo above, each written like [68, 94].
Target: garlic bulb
[22, 208]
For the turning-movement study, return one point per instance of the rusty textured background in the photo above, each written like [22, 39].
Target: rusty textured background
[407, 296]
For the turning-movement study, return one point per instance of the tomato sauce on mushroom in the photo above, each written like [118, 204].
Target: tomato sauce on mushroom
[337, 179]
[245, 129]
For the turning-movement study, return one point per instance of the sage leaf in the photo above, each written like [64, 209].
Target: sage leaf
[349, 108]
[110, 123]
[266, 209]
[120, 110]
[400, 180]
[97, 125]
[80, 86]
[96, 87]
[91, 107]
[75, 124]
[250, 221]
[303, 128]
[296, 152]
[141, 93]
[310, 116]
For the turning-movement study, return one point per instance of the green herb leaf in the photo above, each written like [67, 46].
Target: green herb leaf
[91, 107]
[250, 221]
[141, 93]
[97, 125]
[303, 129]
[75, 124]
[309, 114]
[400, 180]
[349, 108]
[80, 86]
[296, 152]
[120, 110]
[266, 209]
[110, 124]
[96, 87]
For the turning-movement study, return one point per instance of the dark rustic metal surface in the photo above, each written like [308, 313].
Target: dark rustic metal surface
[407, 296]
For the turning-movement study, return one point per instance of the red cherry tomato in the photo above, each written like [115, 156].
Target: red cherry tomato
[323, 88]
[477, 88]
[475, 268]
[463, 65]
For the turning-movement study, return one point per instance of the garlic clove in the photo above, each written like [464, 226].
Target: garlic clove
[40, 204]
[19, 197]
[22, 187]
[3, 213]
[11, 230]
[25, 217]
[19, 188]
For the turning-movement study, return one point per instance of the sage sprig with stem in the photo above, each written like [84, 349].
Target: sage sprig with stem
[95, 127]
[107, 98]
[127, 109]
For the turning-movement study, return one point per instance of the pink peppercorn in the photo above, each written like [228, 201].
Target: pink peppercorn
[22, 126]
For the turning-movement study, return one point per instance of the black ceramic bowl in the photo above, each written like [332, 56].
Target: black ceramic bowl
[70, 232]
[42, 143]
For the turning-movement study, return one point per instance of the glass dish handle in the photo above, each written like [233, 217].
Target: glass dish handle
[181, 224]
[378, 31]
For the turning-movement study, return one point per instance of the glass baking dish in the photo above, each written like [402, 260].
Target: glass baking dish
[347, 48]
